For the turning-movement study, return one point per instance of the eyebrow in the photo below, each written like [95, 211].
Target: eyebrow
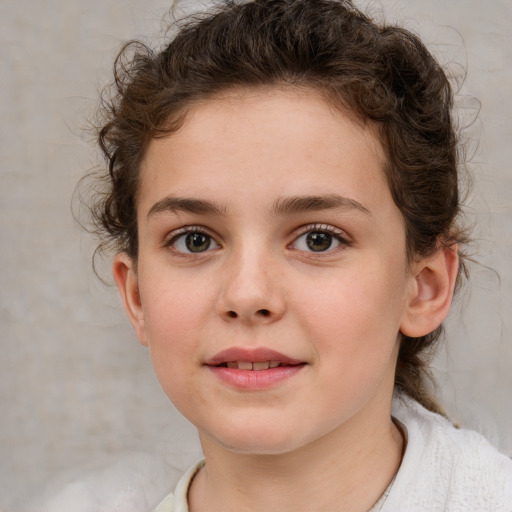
[315, 203]
[186, 204]
[282, 206]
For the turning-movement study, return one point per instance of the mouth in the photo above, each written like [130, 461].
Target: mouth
[253, 366]
[253, 369]
[255, 359]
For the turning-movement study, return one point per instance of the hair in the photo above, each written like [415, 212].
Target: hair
[382, 74]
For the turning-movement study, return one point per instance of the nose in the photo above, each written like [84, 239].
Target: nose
[252, 289]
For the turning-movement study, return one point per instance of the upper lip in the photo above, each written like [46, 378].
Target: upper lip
[254, 355]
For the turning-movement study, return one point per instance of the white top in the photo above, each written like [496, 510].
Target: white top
[177, 502]
[444, 469]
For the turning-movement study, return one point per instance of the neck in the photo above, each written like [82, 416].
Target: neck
[348, 469]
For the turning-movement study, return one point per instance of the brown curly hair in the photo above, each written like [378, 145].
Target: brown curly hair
[383, 74]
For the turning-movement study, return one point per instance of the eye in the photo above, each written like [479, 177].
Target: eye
[319, 239]
[316, 241]
[192, 241]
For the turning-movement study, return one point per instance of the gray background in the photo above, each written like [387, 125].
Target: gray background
[77, 392]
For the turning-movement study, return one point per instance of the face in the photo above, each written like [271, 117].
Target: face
[272, 278]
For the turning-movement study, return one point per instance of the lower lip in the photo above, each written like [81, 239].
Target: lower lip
[255, 379]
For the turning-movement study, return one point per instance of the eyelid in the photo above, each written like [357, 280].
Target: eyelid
[174, 235]
[339, 234]
[325, 228]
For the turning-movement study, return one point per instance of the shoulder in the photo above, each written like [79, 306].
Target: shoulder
[454, 469]
[167, 505]
[178, 501]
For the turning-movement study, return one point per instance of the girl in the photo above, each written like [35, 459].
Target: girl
[282, 196]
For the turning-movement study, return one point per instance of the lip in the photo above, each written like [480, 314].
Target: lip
[256, 355]
[253, 380]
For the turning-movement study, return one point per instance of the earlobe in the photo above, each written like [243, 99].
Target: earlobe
[431, 292]
[125, 276]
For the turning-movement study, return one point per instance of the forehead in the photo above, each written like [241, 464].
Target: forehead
[284, 139]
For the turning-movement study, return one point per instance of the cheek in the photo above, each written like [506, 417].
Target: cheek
[174, 314]
[357, 314]
[354, 330]
[174, 306]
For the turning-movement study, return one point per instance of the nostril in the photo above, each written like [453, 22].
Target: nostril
[264, 312]
[232, 314]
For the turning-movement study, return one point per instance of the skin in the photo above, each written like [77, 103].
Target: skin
[340, 311]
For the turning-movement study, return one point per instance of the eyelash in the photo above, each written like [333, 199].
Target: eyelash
[335, 233]
[182, 233]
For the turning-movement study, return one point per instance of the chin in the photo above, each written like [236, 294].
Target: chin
[257, 440]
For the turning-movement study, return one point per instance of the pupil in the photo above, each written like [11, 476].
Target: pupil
[197, 242]
[319, 241]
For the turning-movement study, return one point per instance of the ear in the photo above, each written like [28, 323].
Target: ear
[125, 276]
[431, 292]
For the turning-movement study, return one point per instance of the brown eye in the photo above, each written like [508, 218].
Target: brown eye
[198, 242]
[319, 239]
[318, 242]
[193, 242]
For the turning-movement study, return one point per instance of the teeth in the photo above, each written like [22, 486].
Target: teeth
[247, 365]
[261, 366]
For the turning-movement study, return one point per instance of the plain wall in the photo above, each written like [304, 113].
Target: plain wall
[76, 389]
